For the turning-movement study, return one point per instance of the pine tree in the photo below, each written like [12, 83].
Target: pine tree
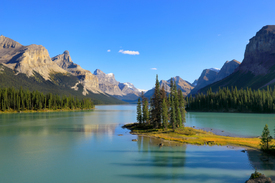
[266, 138]
[156, 106]
[182, 106]
[164, 114]
[145, 111]
[139, 115]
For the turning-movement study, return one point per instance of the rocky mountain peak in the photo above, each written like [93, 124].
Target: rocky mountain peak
[98, 72]
[86, 78]
[6, 42]
[260, 52]
[228, 68]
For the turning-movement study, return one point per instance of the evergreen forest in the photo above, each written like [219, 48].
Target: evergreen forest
[22, 100]
[234, 100]
[162, 111]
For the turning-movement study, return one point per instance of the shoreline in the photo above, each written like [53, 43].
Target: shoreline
[43, 110]
[189, 135]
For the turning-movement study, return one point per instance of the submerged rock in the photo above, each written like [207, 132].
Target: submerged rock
[261, 179]
[134, 139]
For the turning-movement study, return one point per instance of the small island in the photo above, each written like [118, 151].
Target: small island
[165, 118]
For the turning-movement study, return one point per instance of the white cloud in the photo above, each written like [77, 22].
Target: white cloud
[128, 52]
[108, 50]
[154, 69]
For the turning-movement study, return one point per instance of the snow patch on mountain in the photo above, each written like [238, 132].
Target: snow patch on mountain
[110, 75]
[215, 69]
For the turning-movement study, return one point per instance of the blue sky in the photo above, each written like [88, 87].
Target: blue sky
[177, 37]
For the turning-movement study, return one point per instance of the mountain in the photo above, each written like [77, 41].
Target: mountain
[32, 68]
[123, 91]
[227, 69]
[27, 59]
[195, 82]
[209, 76]
[257, 69]
[183, 85]
[86, 78]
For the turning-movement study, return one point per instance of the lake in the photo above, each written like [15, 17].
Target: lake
[85, 146]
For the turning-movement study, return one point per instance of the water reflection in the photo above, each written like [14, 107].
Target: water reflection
[263, 162]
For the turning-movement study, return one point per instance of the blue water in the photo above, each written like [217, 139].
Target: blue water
[85, 147]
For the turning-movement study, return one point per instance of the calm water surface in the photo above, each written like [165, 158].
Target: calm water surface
[85, 147]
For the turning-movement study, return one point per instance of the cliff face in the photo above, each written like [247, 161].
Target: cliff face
[260, 52]
[27, 59]
[86, 78]
[228, 68]
[8, 43]
[257, 69]
[109, 85]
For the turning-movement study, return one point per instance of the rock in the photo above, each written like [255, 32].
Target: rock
[207, 77]
[27, 59]
[120, 135]
[161, 144]
[228, 68]
[261, 179]
[183, 85]
[194, 127]
[256, 70]
[222, 131]
[109, 85]
[134, 139]
[86, 78]
[243, 151]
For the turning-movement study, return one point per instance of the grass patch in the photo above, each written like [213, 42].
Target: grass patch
[193, 136]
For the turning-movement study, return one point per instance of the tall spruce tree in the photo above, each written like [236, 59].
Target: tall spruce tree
[181, 106]
[139, 114]
[156, 106]
[164, 114]
[266, 138]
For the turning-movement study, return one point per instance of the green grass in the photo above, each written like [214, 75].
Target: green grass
[193, 136]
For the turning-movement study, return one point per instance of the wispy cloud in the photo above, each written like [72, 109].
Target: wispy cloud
[129, 52]
[154, 69]
[108, 50]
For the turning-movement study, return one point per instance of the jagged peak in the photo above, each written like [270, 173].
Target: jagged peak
[66, 52]
[6, 42]
[98, 71]
[267, 29]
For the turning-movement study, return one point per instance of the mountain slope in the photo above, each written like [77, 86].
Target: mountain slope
[123, 91]
[183, 85]
[60, 84]
[86, 78]
[258, 67]
[32, 68]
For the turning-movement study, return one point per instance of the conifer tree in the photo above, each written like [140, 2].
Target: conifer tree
[181, 106]
[145, 111]
[139, 115]
[266, 138]
[156, 106]
[164, 114]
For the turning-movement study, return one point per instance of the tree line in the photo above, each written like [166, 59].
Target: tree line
[162, 111]
[20, 100]
[234, 100]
